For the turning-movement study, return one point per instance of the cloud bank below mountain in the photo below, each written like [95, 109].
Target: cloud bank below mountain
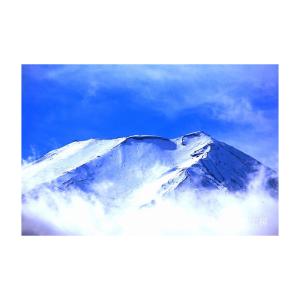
[212, 212]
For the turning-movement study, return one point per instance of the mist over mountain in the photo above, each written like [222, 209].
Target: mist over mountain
[193, 184]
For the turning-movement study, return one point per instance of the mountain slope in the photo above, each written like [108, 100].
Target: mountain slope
[142, 167]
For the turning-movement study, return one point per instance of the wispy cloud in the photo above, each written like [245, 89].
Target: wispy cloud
[222, 91]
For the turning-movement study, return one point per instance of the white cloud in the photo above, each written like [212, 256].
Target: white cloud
[238, 110]
[252, 212]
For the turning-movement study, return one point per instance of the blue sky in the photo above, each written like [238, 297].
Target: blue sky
[237, 104]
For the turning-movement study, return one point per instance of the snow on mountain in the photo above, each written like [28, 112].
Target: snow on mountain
[60, 161]
[143, 169]
[194, 159]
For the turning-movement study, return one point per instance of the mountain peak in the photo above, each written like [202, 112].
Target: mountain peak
[197, 133]
[196, 137]
[195, 158]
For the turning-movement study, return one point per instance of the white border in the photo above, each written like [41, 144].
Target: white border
[149, 32]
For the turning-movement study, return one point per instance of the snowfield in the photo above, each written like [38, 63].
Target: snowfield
[141, 184]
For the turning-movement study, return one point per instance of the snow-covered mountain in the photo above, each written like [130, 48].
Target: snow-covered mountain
[145, 169]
